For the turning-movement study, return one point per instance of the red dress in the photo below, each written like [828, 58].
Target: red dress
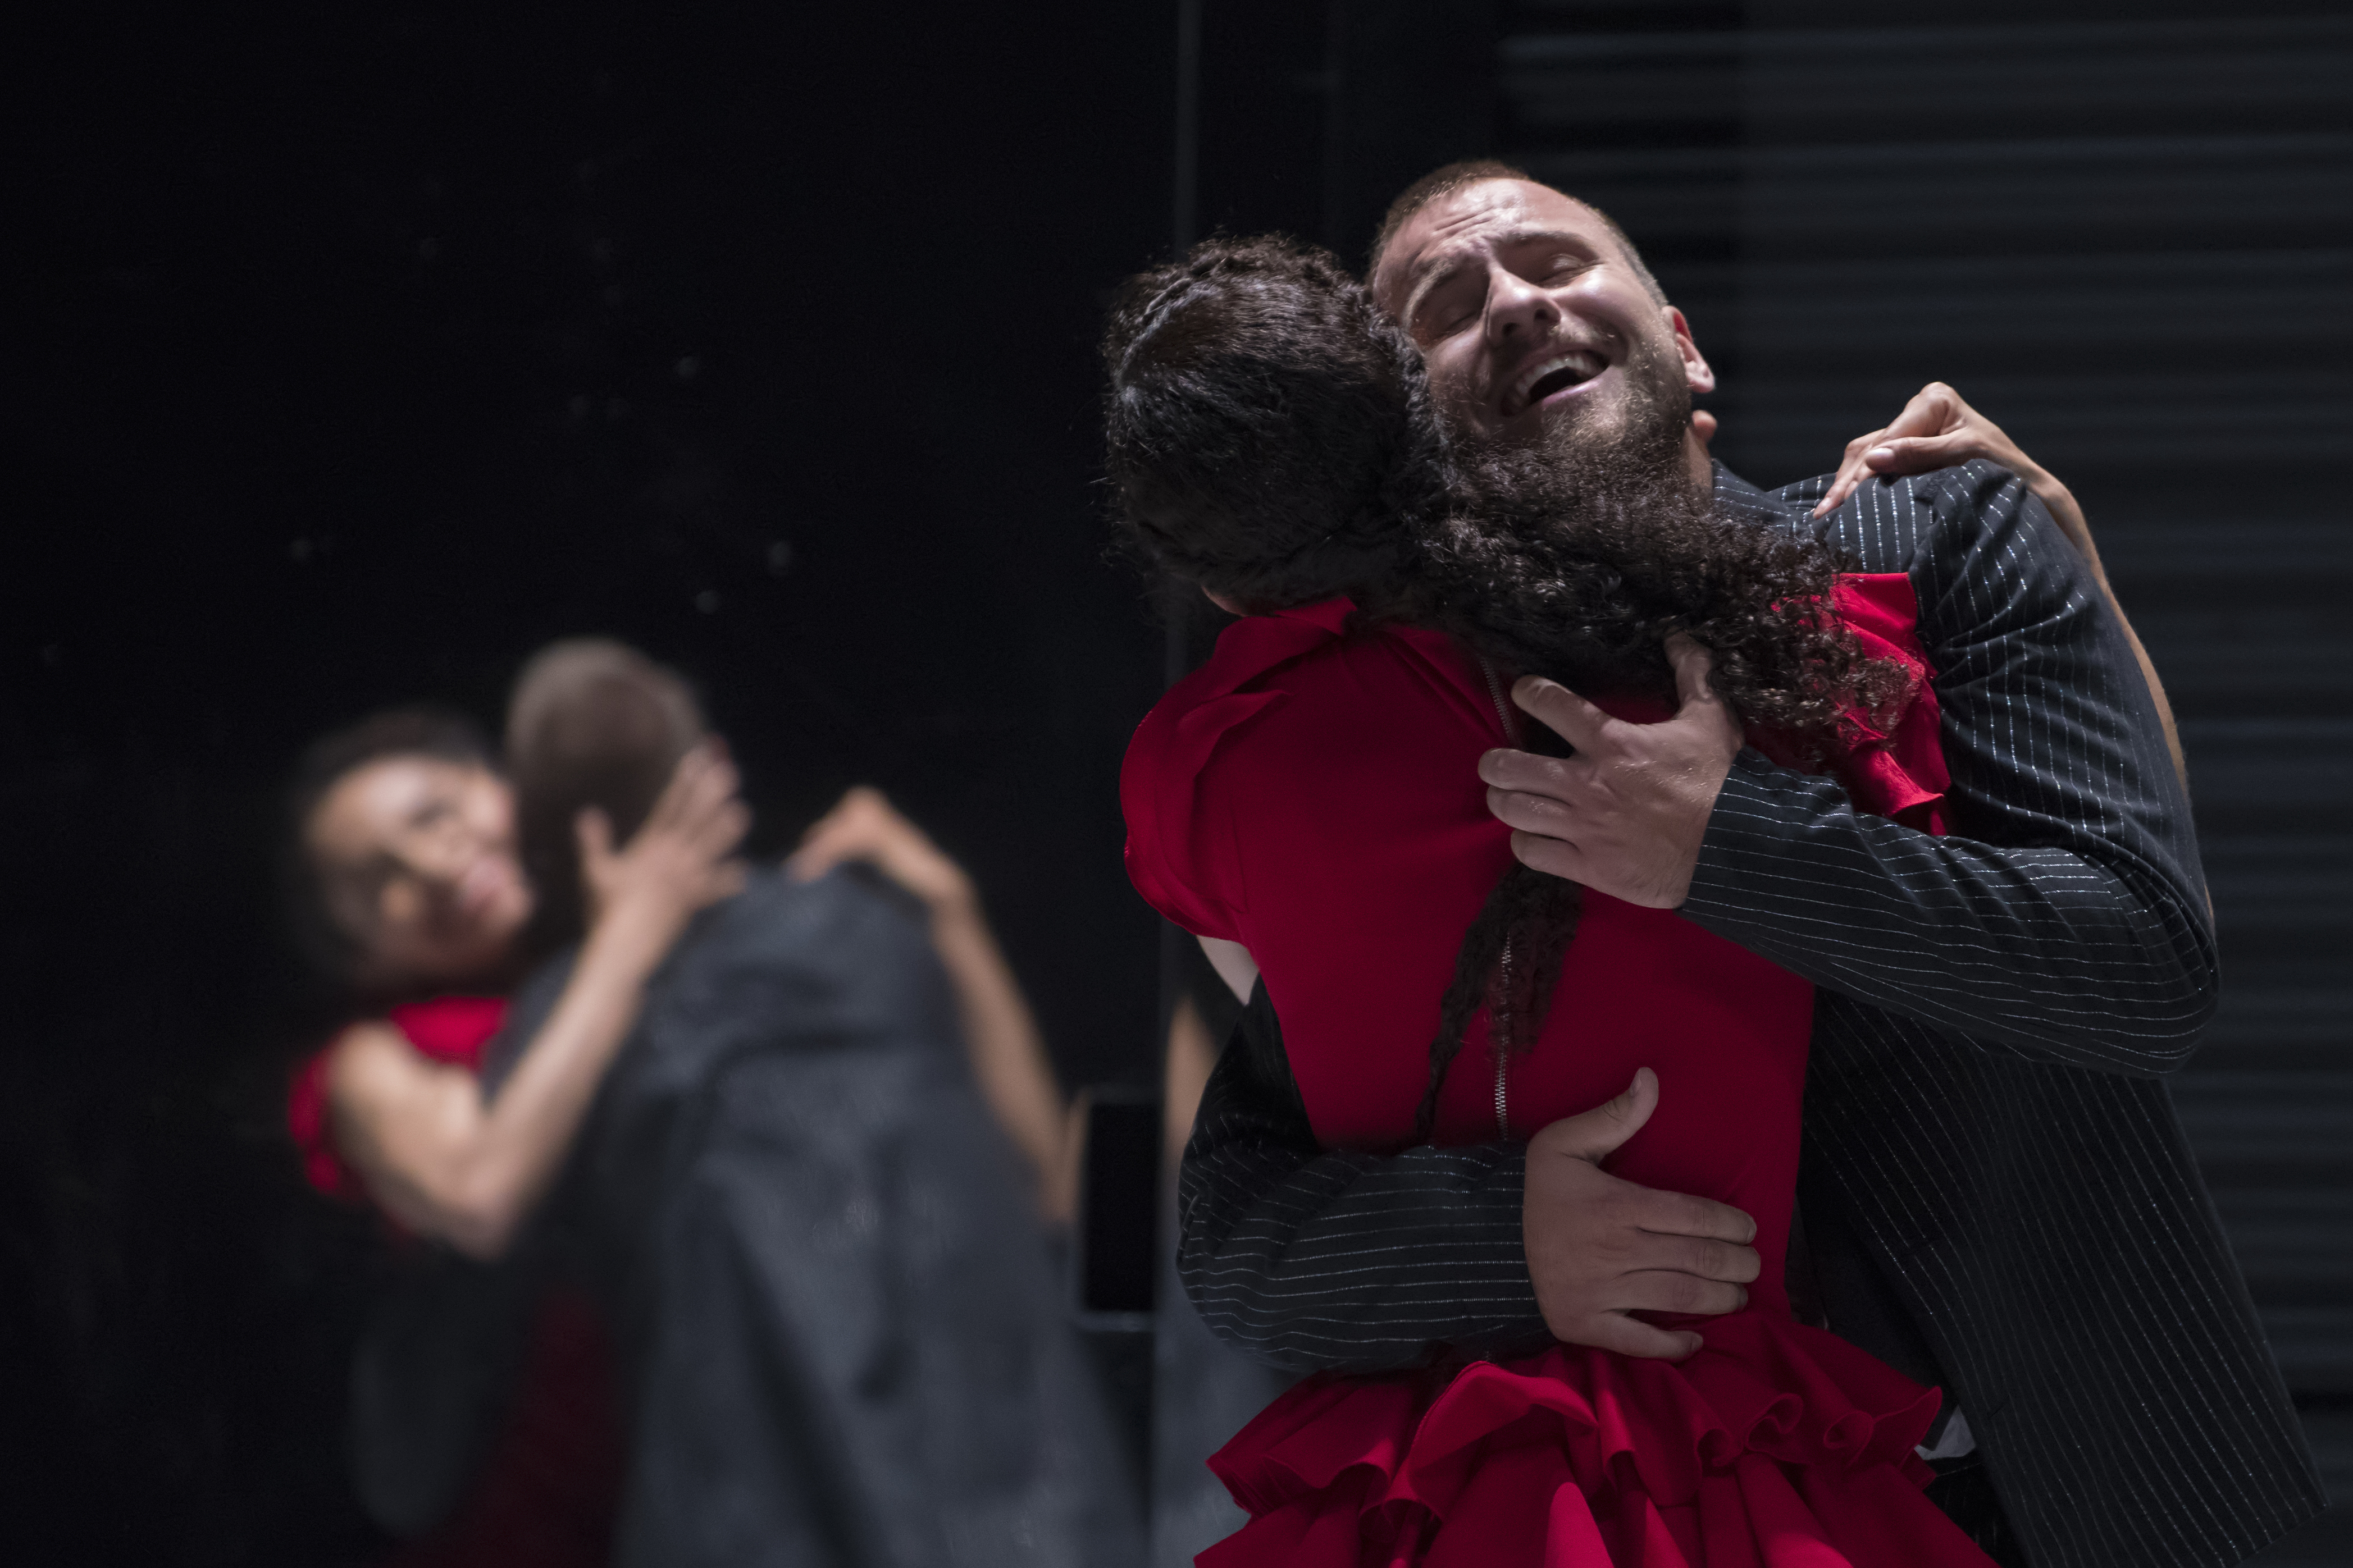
[1312, 796]
[546, 1495]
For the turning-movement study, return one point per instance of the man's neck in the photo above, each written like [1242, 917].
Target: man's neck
[1700, 466]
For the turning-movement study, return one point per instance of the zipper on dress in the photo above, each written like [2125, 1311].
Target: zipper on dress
[1499, 1020]
[1503, 709]
[1499, 1035]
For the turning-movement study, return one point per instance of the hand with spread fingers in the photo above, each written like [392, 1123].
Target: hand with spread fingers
[1936, 431]
[1625, 814]
[680, 860]
[1600, 1248]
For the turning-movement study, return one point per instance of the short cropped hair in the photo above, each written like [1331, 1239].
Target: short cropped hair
[1445, 181]
[593, 722]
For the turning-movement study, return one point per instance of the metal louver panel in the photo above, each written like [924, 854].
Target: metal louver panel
[2131, 243]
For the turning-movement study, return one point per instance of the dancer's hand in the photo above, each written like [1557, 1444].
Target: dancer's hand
[1600, 1248]
[680, 860]
[1938, 429]
[864, 825]
[1624, 816]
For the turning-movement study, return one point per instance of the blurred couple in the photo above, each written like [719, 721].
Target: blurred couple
[723, 1191]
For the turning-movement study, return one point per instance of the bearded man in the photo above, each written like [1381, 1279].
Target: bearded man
[1996, 1198]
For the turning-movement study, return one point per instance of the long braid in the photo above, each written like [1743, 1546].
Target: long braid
[1532, 914]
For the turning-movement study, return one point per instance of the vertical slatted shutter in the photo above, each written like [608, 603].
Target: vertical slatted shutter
[2130, 241]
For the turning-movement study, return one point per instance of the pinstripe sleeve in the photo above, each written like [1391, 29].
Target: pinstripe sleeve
[1308, 1259]
[2064, 918]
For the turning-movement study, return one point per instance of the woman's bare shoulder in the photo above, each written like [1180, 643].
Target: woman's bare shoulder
[372, 1060]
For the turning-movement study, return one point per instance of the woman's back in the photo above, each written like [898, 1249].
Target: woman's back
[1313, 795]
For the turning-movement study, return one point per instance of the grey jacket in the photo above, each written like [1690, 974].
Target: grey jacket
[842, 1337]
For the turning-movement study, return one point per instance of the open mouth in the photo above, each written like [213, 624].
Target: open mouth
[1556, 374]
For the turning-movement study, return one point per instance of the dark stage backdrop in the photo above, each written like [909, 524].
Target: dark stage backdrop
[2126, 233]
[363, 352]
[358, 351]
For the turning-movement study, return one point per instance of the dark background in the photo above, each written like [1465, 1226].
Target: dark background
[358, 351]
[364, 349]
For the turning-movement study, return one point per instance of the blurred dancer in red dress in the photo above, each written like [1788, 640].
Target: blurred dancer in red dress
[412, 878]
[409, 889]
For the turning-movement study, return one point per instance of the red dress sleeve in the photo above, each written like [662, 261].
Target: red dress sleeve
[1181, 853]
[1906, 779]
[1898, 772]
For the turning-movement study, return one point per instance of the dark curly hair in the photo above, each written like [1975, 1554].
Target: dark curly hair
[1265, 434]
[1271, 436]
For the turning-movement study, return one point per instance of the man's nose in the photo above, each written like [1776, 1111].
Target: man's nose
[1516, 308]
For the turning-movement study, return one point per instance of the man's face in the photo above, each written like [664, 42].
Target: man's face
[1534, 324]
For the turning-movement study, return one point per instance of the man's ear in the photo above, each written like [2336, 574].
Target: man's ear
[1223, 602]
[1696, 374]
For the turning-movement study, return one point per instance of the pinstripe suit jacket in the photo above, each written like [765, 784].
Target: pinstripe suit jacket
[1986, 1125]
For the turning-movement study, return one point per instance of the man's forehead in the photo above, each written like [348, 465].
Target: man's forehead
[1483, 213]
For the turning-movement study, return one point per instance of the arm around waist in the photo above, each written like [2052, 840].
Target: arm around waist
[1312, 1259]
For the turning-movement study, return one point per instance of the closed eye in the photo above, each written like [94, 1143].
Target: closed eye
[1448, 313]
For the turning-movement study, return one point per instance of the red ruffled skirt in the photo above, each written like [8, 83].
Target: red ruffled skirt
[1778, 1446]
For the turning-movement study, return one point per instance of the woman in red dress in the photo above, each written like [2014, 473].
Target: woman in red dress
[408, 889]
[1311, 795]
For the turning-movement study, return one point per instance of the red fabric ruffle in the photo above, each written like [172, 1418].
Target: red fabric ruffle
[1898, 772]
[1777, 1446]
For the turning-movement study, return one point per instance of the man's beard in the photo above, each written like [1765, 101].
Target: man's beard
[1554, 553]
[1641, 450]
